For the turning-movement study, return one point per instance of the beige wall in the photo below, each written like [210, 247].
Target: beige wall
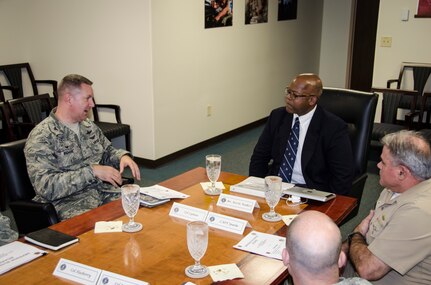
[411, 41]
[155, 59]
[334, 53]
[240, 71]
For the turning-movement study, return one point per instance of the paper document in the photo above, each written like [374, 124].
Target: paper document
[161, 192]
[263, 244]
[17, 253]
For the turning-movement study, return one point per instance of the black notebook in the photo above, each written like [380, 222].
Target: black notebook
[50, 239]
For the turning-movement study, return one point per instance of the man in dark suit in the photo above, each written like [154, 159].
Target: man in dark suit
[324, 159]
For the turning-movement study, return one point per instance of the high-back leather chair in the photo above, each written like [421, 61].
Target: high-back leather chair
[29, 216]
[357, 109]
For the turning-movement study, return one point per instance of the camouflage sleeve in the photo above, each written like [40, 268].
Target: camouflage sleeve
[53, 180]
[7, 235]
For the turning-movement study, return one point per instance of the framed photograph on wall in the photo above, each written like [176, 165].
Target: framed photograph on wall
[256, 11]
[218, 13]
[287, 9]
[424, 9]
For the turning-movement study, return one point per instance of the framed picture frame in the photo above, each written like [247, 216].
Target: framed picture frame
[424, 9]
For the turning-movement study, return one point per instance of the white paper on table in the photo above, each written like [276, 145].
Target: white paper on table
[108, 227]
[264, 244]
[17, 253]
[287, 219]
[218, 185]
[225, 272]
[161, 192]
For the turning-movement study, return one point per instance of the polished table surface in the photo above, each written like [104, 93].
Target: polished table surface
[158, 254]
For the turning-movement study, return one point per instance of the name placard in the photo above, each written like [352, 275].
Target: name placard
[109, 278]
[226, 223]
[237, 203]
[76, 272]
[187, 212]
[88, 275]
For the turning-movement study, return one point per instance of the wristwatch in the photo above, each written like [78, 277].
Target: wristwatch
[351, 235]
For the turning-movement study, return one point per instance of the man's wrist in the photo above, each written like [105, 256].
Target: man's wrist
[352, 235]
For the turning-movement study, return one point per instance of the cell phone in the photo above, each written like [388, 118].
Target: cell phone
[127, 180]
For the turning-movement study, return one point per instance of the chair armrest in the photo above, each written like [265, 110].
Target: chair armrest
[390, 81]
[31, 216]
[409, 119]
[116, 108]
[53, 83]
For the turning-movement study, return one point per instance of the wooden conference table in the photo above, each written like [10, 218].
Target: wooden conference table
[158, 254]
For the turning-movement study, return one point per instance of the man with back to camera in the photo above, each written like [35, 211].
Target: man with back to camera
[313, 251]
[323, 159]
[392, 245]
[69, 160]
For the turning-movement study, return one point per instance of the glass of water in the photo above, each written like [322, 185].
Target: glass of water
[213, 167]
[272, 196]
[197, 243]
[130, 201]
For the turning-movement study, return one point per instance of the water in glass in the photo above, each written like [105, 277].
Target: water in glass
[273, 193]
[130, 201]
[213, 168]
[197, 243]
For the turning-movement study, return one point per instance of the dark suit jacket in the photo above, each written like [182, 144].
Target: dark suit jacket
[327, 159]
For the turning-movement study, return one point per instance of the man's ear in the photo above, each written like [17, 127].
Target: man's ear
[285, 256]
[342, 259]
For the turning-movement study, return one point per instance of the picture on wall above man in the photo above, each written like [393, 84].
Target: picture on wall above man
[218, 13]
[287, 9]
[256, 11]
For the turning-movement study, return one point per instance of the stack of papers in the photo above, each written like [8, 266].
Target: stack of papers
[255, 186]
[17, 253]
[157, 195]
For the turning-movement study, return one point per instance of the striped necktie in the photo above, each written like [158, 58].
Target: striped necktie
[286, 167]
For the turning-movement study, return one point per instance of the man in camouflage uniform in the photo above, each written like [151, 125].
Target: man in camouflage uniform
[69, 160]
[7, 235]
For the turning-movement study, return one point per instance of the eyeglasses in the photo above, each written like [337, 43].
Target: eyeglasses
[293, 95]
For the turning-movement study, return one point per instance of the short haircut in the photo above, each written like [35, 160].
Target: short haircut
[315, 258]
[72, 82]
[411, 149]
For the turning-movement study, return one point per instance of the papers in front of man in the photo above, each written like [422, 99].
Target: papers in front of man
[17, 253]
[161, 192]
[263, 244]
[255, 186]
[84, 274]
[311, 194]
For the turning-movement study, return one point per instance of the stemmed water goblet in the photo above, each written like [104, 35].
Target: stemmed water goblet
[273, 193]
[213, 168]
[130, 197]
[197, 243]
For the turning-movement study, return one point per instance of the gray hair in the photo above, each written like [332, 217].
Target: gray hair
[72, 82]
[411, 149]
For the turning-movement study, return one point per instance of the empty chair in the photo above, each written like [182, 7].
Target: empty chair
[29, 216]
[18, 75]
[357, 109]
[27, 112]
[391, 105]
[112, 130]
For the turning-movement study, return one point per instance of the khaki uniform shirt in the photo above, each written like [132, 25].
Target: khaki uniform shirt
[400, 235]
[59, 166]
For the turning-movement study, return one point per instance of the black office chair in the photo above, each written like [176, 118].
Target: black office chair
[14, 73]
[357, 109]
[29, 216]
[27, 112]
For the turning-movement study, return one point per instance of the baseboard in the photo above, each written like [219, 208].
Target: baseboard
[158, 162]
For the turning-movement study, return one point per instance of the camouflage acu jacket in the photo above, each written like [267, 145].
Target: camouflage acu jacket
[59, 162]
